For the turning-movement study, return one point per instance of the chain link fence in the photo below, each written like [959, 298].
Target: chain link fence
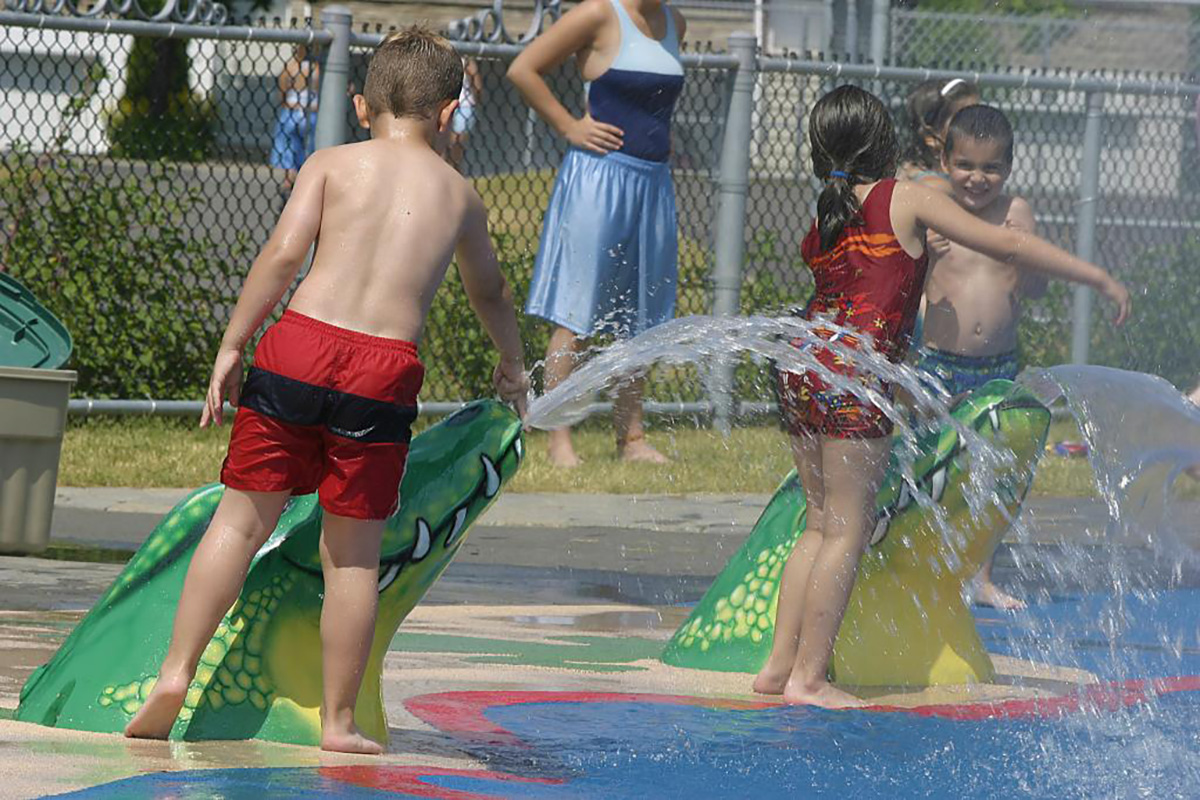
[1147, 210]
[1092, 42]
[133, 199]
[136, 188]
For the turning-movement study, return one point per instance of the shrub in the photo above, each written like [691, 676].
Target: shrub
[110, 255]
[458, 355]
[1159, 337]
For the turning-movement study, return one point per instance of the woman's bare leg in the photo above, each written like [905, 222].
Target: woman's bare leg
[561, 355]
[350, 561]
[627, 422]
[240, 526]
[806, 452]
[852, 469]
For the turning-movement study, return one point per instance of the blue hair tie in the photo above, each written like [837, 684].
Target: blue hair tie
[837, 173]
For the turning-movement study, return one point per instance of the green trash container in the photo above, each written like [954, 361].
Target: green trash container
[33, 413]
[30, 336]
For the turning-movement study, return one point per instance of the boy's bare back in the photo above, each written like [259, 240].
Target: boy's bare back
[972, 300]
[388, 215]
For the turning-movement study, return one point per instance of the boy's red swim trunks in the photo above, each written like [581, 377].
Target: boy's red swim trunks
[328, 410]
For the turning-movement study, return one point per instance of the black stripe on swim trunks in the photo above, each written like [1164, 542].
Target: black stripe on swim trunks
[362, 419]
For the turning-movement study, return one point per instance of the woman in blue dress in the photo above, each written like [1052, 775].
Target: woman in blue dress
[607, 261]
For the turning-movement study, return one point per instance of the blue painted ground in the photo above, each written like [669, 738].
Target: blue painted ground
[636, 750]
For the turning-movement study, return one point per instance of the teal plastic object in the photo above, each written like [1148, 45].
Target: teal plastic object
[30, 336]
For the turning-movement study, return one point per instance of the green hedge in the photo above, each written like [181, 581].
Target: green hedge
[1162, 334]
[110, 254]
[114, 255]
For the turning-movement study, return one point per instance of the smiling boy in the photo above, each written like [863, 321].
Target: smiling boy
[972, 301]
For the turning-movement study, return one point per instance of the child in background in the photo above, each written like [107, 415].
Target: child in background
[463, 121]
[296, 124]
[930, 107]
[328, 404]
[866, 250]
[973, 301]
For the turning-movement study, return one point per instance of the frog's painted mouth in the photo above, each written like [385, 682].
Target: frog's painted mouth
[933, 483]
[451, 529]
[448, 531]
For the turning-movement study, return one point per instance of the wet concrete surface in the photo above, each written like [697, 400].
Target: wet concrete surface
[541, 582]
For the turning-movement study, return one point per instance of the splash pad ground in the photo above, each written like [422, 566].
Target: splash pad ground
[530, 671]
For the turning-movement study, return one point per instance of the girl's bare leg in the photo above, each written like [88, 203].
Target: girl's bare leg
[240, 526]
[350, 560]
[806, 451]
[852, 469]
[561, 355]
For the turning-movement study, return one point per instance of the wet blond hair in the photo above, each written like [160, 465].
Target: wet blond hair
[412, 73]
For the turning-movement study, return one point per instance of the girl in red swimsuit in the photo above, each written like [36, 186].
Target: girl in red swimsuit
[867, 254]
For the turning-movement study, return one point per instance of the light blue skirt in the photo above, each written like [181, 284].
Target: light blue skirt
[607, 262]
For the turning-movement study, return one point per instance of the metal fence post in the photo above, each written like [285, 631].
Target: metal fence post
[851, 42]
[881, 13]
[729, 243]
[1085, 224]
[335, 78]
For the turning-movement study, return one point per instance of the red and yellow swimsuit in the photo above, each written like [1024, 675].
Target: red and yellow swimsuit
[868, 283]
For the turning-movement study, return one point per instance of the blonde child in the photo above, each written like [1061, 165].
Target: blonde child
[328, 403]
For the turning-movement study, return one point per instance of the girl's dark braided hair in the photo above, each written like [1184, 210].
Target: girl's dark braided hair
[853, 141]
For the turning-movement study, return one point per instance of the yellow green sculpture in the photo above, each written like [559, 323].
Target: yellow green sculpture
[907, 623]
[260, 676]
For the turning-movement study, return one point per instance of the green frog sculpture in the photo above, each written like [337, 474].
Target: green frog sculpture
[260, 676]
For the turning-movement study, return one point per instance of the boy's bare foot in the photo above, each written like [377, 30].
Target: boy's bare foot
[770, 681]
[823, 694]
[989, 594]
[636, 448]
[351, 741]
[562, 452]
[156, 717]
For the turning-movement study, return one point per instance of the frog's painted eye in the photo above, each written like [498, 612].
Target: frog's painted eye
[464, 415]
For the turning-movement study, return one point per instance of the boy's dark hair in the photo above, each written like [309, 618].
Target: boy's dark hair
[928, 110]
[981, 122]
[412, 73]
[853, 141]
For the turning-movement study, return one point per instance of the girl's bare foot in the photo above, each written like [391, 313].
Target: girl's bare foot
[989, 594]
[350, 741]
[562, 452]
[636, 448]
[823, 694]
[771, 681]
[156, 717]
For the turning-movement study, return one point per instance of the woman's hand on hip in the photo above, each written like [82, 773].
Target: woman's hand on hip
[598, 137]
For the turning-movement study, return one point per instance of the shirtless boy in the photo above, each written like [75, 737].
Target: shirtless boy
[328, 403]
[973, 302]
